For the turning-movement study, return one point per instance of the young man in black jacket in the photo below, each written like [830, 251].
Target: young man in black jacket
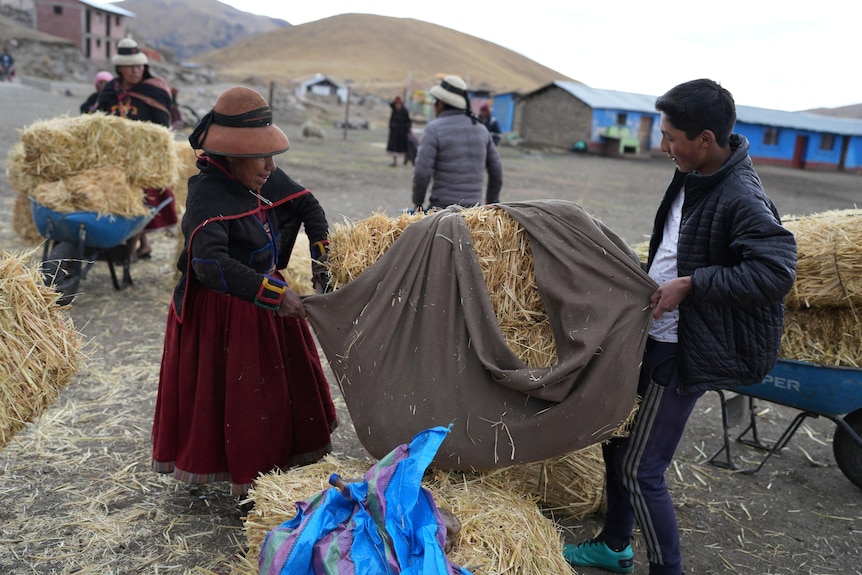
[723, 263]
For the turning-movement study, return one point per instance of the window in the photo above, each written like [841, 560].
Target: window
[58, 10]
[827, 142]
[770, 137]
[621, 119]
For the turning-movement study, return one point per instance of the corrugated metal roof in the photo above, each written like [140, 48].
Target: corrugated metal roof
[110, 8]
[627, 101]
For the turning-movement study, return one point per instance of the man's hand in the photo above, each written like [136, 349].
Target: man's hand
[667, 297]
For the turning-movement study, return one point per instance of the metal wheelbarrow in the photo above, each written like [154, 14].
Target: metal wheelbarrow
[76, 240]
[816, 391]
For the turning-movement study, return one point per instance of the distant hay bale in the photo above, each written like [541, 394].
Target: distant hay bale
[502, 531]
[22, 220]
[101, 190]
[65, 146]
[829, 261]
[187, 159]
[826, 336]
[311, 130]
[298, 270]
[39, 347]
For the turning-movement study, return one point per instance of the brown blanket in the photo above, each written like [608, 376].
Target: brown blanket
[414, 342]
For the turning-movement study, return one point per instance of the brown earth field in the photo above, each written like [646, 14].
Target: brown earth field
[77, 495]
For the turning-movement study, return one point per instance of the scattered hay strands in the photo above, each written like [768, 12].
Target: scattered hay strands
[502, 531]
[39, 347]
[64, 146]
[829, 261]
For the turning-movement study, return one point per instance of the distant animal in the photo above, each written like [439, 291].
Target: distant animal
[312, 130]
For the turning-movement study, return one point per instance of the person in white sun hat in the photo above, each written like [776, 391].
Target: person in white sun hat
[455, 153]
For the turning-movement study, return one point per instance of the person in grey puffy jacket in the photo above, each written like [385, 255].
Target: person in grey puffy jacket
[455, 153]
[723, 263]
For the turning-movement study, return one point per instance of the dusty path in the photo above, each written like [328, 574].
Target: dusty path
[77, 495]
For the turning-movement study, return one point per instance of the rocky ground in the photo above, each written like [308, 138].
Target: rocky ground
[76, 493]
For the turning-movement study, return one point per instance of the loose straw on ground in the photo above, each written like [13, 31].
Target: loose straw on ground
[39, 346]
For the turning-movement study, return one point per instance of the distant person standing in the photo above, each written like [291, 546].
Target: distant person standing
[399, 127]
[137, 94]
[92, 102]
[456, 152]
[7, 64]
[490, 123]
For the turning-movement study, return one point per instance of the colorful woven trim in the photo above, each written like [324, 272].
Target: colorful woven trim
[271, 293]
[319, 249]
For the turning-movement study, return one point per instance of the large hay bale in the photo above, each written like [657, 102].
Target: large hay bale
[39, 346]
[187, 159]
[66, 146]
[502, 531]
[829, 260]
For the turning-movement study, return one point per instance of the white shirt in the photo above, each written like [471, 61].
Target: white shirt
[663, 268]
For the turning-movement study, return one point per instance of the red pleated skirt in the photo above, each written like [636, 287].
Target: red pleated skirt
[165, 217]
[241, 392]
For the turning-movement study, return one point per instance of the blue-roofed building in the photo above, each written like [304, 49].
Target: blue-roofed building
[575, 116]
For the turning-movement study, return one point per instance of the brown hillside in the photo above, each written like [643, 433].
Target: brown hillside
[192, 27]
[378, 54]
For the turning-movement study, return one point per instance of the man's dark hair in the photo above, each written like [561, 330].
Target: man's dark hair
[700, 105]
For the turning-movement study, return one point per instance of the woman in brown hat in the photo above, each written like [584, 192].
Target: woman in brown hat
[241, 388]
[137, 94]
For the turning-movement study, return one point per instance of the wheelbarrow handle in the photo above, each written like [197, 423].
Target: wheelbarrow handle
[161, 205]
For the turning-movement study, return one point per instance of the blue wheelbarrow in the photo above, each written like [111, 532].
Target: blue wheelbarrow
[816, 391]
[76, 240]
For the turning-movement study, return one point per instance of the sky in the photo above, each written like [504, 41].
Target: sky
[771, 54]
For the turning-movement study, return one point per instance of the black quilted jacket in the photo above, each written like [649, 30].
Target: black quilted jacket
[742, 263]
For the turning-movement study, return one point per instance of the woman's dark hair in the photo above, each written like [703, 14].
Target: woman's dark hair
[700, 105]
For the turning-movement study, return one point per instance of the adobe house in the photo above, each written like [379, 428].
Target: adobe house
[574, 116]
[94, 27]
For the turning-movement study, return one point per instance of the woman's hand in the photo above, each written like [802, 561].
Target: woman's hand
[291, 306]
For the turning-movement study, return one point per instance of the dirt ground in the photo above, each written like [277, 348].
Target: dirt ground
[77, 495]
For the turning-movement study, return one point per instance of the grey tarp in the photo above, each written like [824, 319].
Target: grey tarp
[414, 343]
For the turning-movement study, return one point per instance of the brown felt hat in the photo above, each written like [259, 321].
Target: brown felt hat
[239, 125]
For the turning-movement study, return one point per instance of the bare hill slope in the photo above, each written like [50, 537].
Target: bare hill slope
[378, 54]
[191, 27]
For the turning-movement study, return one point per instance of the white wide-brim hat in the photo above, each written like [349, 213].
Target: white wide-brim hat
[453, 91]
[128, 54]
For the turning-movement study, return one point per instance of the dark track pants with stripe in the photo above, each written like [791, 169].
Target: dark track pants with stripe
[635, 465]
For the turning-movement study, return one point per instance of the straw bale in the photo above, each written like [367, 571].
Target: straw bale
[187, 161]
[571, 485]
[16, 172]
[65, 146]
[502, 531]
[825, 336]
[39, 347]
[102, 190]
[829, 260]
[22, 220]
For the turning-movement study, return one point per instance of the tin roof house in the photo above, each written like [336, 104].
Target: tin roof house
[578, 117]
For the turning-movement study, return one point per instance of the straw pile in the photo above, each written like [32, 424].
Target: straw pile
[39, 346]
[829, 260]
[501, 531]
[91, 160]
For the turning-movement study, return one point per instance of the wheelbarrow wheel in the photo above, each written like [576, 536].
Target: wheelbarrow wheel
[847, 450]
[62, 271]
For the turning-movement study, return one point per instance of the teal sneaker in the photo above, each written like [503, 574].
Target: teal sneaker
[594, 553]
